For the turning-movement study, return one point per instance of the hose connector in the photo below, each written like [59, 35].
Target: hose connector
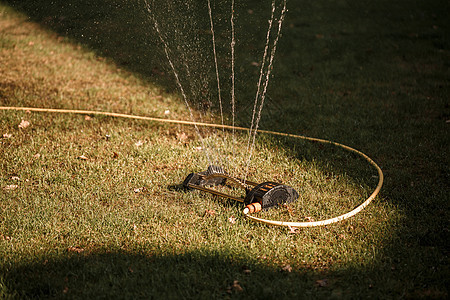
[252, 208]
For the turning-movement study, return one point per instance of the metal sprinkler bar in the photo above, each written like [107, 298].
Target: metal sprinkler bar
[258, 196]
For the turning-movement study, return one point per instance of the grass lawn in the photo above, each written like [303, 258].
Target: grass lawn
[92, 207]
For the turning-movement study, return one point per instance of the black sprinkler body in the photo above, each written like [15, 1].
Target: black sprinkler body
[261, 196]
[270, 194]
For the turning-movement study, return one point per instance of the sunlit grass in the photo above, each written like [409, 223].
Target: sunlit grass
[92, 206]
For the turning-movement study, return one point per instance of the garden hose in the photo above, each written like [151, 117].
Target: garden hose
[246, 212]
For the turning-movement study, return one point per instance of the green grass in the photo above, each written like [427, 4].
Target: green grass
[91, 207]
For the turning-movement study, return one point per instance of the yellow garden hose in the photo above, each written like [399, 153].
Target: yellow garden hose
[245, 211]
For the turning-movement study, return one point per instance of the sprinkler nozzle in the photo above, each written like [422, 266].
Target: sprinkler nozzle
[206, 178]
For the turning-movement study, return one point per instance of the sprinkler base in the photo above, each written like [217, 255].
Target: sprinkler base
[268, 194]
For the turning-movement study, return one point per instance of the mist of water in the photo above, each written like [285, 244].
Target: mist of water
[255, 125]
[177, 78]
[210, 146]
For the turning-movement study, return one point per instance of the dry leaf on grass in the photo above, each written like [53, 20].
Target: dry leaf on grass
[210, 212]
[293, 229]
[139, 190]
[24, 124]
[75, 249]
[182, 137]
[287, 268]
[4, 237]
[7, 135]
[246, 271]
[322, 282]
[11, 187]
[237, 287]
[83, 157]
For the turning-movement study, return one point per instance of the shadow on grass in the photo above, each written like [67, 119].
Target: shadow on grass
[119, 30]
[122, 275]
[124, 32]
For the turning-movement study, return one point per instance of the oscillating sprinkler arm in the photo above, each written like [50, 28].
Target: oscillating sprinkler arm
[261, 197]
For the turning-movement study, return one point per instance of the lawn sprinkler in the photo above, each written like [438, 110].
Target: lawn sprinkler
[261, 196]
[257, 197]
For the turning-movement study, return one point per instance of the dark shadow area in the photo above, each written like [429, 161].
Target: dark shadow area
[117, 274]
[373, 75]
[119, 30]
